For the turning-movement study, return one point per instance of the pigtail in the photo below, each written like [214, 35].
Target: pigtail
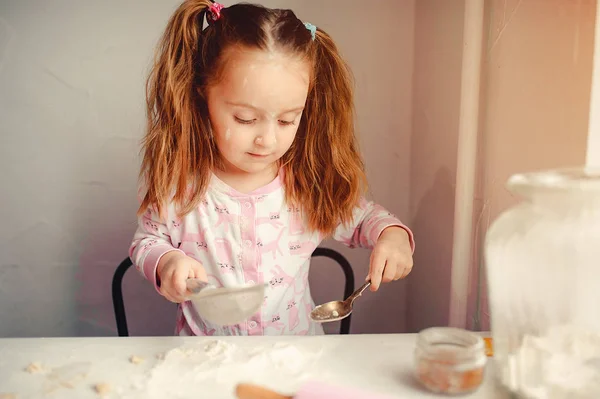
[328, 176]
[178, 150]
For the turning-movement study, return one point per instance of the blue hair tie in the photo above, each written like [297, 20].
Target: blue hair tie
[311, 28]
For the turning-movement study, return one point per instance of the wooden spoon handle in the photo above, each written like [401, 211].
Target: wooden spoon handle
[251, 391]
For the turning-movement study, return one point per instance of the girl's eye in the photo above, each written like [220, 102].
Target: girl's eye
[287, 123]
[244, 121]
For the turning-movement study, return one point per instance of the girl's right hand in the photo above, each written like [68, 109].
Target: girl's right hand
[174, 268]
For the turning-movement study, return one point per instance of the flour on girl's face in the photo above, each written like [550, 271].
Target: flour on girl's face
[256, 108]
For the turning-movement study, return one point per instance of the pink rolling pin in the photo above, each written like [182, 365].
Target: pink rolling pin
[312, 390]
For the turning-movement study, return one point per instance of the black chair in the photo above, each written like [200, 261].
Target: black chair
[119, 305]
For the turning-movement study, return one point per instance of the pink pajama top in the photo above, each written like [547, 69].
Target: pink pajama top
[251, 238]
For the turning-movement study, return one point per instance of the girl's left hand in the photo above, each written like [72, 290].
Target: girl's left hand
[391, 258]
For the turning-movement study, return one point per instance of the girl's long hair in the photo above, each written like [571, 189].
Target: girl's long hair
[324, 172]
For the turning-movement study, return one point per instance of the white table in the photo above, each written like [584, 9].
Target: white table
[381, 363]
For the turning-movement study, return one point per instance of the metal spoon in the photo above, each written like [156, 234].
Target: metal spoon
[337, 310]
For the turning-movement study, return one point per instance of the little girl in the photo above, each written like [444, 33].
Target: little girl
[250, 161]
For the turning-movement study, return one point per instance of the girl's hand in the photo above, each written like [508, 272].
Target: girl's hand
[391, 258]
[174, 268]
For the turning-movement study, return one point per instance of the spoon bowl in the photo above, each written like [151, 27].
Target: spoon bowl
[336, 310]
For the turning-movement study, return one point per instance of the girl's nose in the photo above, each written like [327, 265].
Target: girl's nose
[268, 138]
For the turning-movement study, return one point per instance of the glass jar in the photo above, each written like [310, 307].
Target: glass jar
[449, 360]
[542, 261]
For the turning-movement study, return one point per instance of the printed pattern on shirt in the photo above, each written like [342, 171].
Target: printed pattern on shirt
[246, 239]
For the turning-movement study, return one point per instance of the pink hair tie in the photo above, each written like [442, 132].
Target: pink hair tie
[214, 11]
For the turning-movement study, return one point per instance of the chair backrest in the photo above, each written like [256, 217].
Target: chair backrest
[119, 305]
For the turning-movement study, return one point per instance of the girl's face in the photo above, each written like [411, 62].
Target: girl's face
[256, 107]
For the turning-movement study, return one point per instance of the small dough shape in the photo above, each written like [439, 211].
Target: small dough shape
[102, 388]
[34, 367]
[136, 359]
[8, 396]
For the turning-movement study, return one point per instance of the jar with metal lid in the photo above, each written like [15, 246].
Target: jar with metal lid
[449, 360]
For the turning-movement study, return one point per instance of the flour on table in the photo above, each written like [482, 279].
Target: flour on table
[183, 370]
[67, 376]
[563, 363]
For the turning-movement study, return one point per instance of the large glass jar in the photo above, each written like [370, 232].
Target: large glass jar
[543, 274]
